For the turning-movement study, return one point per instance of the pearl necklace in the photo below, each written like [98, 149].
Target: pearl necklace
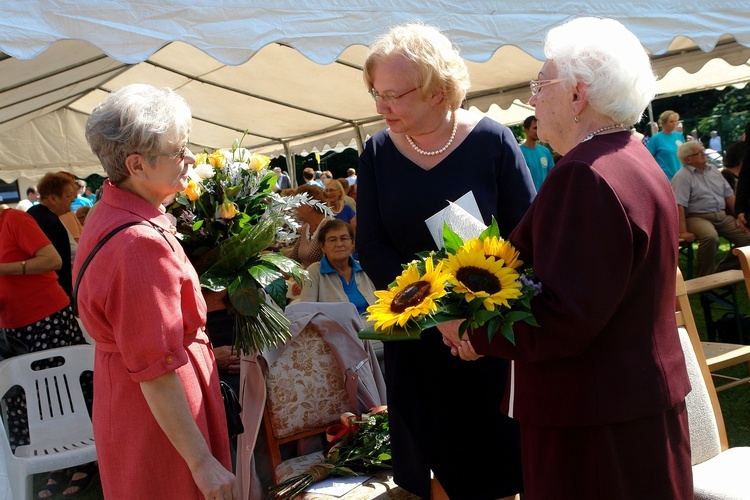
[603, 129]
[441, 150]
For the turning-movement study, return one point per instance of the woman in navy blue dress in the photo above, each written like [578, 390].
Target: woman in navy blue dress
[434, 152]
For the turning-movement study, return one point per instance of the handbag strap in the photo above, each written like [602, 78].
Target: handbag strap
[99, 246]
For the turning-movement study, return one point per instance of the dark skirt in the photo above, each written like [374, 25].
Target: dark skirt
[644, 458]
[445, 416]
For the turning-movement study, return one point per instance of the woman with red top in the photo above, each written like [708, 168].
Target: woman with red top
[35, 310]
[159, 419]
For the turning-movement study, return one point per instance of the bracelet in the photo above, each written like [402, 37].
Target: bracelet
[23, 267]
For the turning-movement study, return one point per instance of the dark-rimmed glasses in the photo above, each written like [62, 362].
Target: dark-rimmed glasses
[701, 152]
[389, 98]
[536, 85]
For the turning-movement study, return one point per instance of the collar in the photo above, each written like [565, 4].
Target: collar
[693, 169]
[325, 266]
[125, 200]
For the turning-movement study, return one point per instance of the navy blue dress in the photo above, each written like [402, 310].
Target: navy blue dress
[445, 413]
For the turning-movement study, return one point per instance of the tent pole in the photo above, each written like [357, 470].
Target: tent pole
[290, 164]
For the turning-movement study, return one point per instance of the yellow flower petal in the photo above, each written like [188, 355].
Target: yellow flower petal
[414, 296]
[193, 190]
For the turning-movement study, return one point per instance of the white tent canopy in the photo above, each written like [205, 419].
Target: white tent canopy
[290, 71]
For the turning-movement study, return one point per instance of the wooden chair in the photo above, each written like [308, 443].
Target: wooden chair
[720, 355]
[306, 394]
[718, 471]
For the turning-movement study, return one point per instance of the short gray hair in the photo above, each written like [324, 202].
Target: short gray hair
[687, 148]
[138, 118]
[604, 55]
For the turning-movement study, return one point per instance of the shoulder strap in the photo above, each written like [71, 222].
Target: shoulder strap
[94, 251]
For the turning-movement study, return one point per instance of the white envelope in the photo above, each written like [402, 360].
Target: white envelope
[463, 217]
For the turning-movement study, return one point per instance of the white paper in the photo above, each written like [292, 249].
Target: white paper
[337, 486]
[463, 217]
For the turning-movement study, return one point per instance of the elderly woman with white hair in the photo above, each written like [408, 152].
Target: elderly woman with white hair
[434, 151]
[158, 415]
[600, 385]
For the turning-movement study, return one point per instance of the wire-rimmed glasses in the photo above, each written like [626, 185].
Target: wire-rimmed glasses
[389, 98]
[536, 85]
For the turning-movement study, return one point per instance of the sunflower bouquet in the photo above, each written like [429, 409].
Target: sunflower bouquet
[227, 217]
[480, 281]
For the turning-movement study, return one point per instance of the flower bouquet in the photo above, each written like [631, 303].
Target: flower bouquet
[226, 219]
[356, 447]
[479, 281]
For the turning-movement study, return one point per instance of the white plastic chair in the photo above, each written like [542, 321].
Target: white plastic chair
[60, 430]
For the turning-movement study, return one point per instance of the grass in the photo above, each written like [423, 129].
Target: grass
[735, 402]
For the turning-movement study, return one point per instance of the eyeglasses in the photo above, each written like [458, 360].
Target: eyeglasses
[179, 154]
[701, 152]
[342, 239]
[389, 98]
[536, 85]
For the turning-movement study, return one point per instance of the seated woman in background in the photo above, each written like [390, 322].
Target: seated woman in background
[306, 248]
[338, 277]
[335, 198]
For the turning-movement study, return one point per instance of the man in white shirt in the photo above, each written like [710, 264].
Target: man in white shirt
[32, 198]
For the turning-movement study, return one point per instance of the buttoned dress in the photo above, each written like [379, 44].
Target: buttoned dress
[140, 300]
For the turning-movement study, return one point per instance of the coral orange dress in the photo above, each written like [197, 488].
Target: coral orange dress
[140, 300]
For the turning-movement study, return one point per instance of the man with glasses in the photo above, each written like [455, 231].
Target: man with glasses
[706, 208]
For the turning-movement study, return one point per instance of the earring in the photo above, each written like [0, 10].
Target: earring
[575, 118]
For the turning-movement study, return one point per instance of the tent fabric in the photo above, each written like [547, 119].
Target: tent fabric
[289, 72]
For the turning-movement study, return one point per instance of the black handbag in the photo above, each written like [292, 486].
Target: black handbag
[233, 409]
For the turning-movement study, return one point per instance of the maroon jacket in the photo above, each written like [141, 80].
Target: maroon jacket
[601, 236]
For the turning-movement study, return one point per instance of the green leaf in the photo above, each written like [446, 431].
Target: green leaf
[483, 315]
[197, 225]
[216, 281]
[451, 240]
[286, 265]
[493, 325]
[277, 291]
[232, 191]
[492, 230]
[264, 275]
[507, 331]
[462, 328]
[514, 316]
[246, 297]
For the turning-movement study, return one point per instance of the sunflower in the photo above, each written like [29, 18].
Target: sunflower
[495, 247]
[477, 276]
[413, 296]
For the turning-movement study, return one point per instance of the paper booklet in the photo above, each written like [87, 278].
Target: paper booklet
[463, 217]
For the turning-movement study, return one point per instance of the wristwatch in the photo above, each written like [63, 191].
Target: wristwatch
[23, 267]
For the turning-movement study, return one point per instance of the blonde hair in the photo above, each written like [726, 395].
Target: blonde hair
[337, 185]
[437, 63]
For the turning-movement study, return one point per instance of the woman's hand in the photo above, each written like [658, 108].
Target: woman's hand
[214, 481]
[461, 348]
[226, 359]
